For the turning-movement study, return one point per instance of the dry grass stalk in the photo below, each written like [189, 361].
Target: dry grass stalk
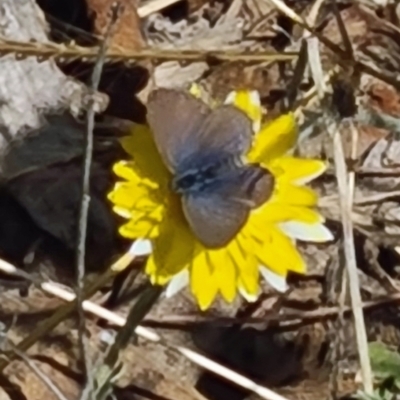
[71, 52]
[346, 194]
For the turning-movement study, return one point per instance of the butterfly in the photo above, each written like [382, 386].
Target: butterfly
[204, 149]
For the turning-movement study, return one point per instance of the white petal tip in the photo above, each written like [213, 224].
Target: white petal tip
[122, 212]
[326, 234]
[141, 247]
[308, 178]
[278, 282]
[255, 98]
[177, 283]
[317, 232]
[251, 298]
[230, 99]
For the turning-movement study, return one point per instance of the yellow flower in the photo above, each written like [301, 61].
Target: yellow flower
[266, 243]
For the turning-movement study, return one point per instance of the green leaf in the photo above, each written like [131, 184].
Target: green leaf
[385, 363]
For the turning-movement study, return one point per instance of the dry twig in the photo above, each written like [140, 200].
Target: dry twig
[72, 52]
[85, 201]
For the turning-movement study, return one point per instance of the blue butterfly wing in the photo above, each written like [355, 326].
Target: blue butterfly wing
[188, 134]
[174, 118]
[217, 213]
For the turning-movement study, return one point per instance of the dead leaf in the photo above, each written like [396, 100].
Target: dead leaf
[126, 33]
[30, 87]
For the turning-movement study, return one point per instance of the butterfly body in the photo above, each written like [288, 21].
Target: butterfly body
[199, 179]
[205, 150]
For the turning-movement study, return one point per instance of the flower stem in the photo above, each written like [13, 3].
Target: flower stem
[146, 301]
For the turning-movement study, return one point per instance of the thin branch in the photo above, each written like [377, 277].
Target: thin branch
[85, 201]
[71, 52]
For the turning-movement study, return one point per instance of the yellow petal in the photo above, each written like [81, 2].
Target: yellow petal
[132, 196]
[174, 247]
[297, 170]
[274, 139]
[277, 213]
[249, 102]
[224, 272]
[142, 226]
[141, 146]
[202, 284]
[246, 265]
[135, 202]
[279, 254]
[294, 195]
[151, 268]
[126, 170]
